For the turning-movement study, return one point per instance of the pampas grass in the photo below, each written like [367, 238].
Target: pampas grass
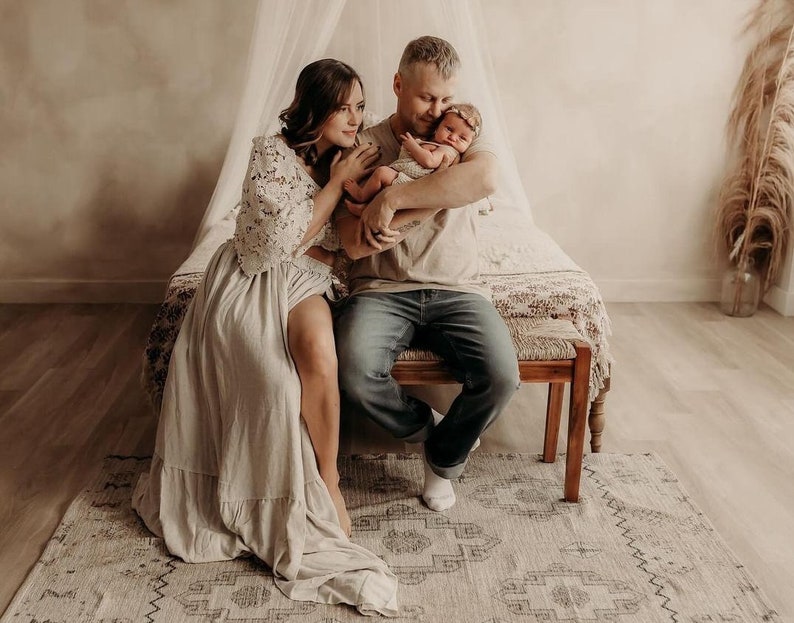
[757, 195]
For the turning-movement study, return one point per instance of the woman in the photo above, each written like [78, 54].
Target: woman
[245, 458]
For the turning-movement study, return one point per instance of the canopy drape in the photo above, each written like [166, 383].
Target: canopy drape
[369, 35]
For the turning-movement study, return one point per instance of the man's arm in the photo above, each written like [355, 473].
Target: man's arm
[453, 187]
[354, 238]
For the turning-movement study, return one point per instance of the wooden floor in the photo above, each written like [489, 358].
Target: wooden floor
[713, 396]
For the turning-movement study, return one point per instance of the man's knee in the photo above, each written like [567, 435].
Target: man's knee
[356, 367]
[505, 379]
[362, 347]
[352, 369]
[502, 361]
[501, 377]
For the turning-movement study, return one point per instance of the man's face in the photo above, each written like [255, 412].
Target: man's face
[422, 97]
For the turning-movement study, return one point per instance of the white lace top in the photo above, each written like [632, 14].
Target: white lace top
[276, 209]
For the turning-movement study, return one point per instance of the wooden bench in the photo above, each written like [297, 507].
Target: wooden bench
[549, 351]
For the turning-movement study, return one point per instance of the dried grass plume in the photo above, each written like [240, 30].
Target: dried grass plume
[757, 194]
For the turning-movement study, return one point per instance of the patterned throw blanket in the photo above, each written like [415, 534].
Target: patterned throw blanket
[569, 294]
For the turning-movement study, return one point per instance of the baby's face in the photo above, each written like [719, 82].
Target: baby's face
[455, 132]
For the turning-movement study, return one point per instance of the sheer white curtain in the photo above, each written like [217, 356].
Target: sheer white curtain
[369, 35]
[286, 36]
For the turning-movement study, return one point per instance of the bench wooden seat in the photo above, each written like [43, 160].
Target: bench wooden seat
[549, 351]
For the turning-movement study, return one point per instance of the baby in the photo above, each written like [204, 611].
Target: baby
[456, 130]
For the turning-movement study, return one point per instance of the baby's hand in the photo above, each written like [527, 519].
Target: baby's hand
[407, 138]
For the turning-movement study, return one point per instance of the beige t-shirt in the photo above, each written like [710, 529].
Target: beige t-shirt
[440, 253]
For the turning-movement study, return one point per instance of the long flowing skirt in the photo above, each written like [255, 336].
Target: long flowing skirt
[233, 471]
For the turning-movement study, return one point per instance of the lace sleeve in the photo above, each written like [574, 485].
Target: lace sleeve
[330, 238]
[275, 209]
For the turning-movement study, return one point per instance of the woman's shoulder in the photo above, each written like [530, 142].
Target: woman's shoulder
[274, 141]
[274, 148]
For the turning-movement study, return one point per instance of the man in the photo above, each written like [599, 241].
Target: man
[416, 274]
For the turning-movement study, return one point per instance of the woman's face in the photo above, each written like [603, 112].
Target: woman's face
[342, 127]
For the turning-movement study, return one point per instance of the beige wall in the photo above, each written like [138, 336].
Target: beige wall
[116, 116]
[115, 119]
[619, 111]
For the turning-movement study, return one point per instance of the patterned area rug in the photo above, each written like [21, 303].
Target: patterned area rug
[634, 549]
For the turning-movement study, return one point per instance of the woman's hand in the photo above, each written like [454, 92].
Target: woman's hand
[356, 164]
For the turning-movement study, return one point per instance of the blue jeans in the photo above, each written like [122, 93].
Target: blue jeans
[373, 328]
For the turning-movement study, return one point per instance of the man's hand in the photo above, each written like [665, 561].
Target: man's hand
[376, 220]
[377, 215]
[364, 235]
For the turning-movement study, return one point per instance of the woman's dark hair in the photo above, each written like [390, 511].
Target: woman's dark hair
[322, 87]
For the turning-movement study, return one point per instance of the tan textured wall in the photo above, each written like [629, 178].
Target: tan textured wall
[115, 120]
[618, 109]
[115, 115]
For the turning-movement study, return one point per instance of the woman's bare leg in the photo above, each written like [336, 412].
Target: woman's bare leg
[311, 342]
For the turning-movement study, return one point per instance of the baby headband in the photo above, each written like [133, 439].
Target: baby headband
[467, 117]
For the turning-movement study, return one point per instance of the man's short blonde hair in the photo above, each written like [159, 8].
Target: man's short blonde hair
[433, 51]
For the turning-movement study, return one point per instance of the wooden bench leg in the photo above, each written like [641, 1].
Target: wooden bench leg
[553, 413]
[597, 418]
[577, 421]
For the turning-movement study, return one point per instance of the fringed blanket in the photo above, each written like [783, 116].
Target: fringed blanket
[569, 294]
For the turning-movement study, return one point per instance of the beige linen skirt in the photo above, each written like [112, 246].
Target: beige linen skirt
[233, 471]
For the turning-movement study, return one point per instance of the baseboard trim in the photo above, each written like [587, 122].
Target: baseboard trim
[659, 290]
[782, 301]
[80, 291]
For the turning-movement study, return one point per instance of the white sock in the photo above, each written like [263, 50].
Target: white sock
[438, 493]
[437, 417]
